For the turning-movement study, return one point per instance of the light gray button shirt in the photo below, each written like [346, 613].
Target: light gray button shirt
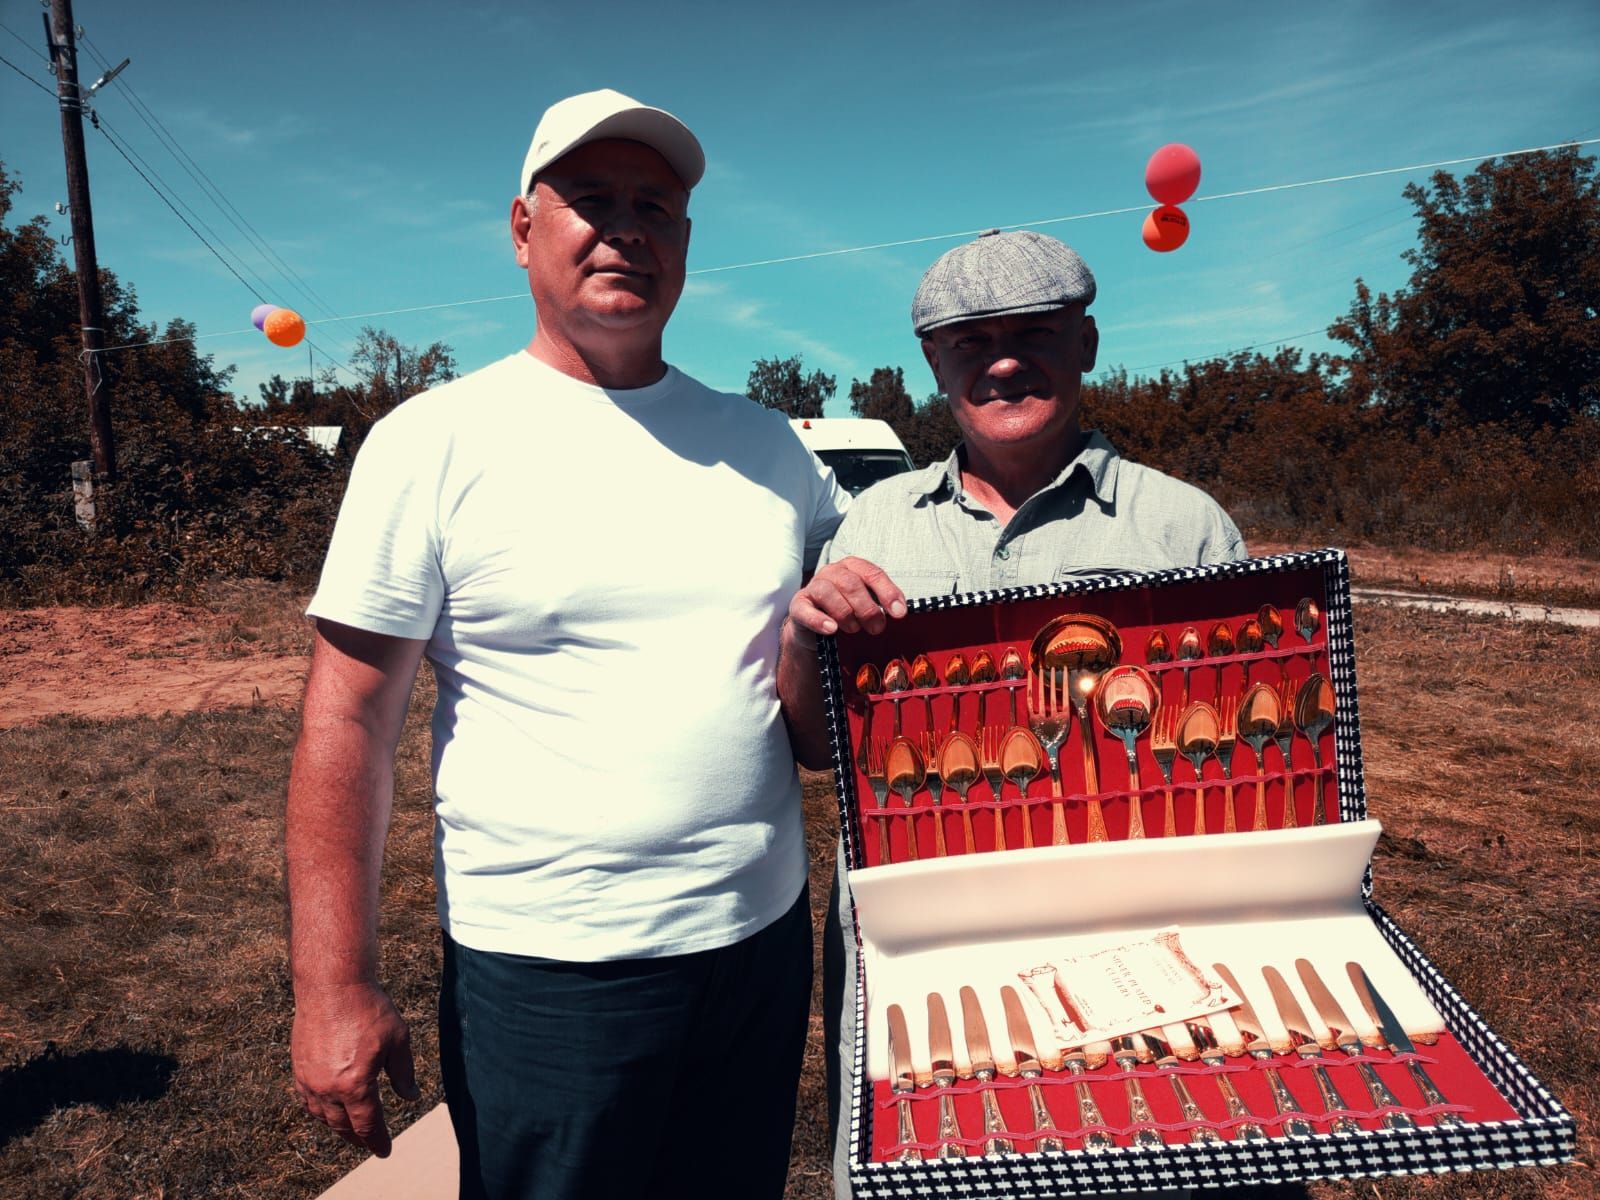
[1101, 514]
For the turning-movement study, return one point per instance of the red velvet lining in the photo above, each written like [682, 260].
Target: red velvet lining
[1468, 1092]
[1136, 614]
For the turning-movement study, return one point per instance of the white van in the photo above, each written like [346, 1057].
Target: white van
[860, 451]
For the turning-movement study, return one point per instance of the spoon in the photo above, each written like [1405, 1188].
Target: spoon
[906, 771]
[1158, 648]
[1021, 758]
[1219, 644]
[1259, 713]
[869, 683]
[896, 679]
[1188, 650]
[1127, 700]
[959, 764]
[1011, 668]
[1313, 713]
[1198, 730]
[1307, 619]
[983, 672]
[1249, 640]
[924, 676]
[1271, 631]
[955, 674]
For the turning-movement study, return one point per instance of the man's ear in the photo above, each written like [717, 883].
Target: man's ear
[521, 222]
[931, 353]
[1090, 334]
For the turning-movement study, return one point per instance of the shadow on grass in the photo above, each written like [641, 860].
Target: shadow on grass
[31, 1091]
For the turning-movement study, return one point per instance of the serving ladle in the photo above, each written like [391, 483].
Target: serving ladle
[1313, 713]
[1022, 758]
[896, 679]
[868, 683]
[1198, 730]
[1127, 700]
[1087, 647]
[956, 675]
[906, 772]
[1259, 713]
[960, 766]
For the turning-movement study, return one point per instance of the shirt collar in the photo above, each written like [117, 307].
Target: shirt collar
[1097, 459]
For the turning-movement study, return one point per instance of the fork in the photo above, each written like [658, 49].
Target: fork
[1227, 735]
[1284, 736]
[935, 782]
[1164, 746]
[989, 739]
[1050, 716]
[878, 777]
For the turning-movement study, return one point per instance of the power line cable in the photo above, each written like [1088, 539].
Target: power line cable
[32, 49]
[212, 191]
[45, 88]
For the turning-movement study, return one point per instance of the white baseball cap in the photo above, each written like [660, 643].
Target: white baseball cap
[568, 124]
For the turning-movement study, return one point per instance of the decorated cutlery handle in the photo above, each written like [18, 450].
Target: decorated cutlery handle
[1192, 1111]
[907, 1133]
[1382, 1097]
[1283, 1100]
[1332, 1101]
[1043, 1120]
[1247, 1130]
[1140, 1114]
[993, 1125]
[1432, 1095]
[949, 1130]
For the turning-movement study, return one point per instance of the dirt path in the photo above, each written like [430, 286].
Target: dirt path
[142, 661]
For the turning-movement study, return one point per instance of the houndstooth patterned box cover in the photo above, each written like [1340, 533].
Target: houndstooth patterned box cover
[1544, 1136]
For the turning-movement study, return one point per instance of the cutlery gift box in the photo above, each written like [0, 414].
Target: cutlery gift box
[1052, 854]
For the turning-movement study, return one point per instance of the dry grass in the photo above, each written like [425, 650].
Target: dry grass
[144, 1005]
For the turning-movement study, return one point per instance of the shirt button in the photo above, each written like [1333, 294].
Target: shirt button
[1002, 552]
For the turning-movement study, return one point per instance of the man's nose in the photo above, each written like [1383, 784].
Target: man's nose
[1006, 366]
[623, 225]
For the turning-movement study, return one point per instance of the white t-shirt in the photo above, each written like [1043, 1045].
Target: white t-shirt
[600, 576]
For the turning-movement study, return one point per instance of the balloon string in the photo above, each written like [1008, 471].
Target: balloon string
[932, 237]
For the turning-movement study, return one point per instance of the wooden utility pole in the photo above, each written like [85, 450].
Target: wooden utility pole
[64, 58]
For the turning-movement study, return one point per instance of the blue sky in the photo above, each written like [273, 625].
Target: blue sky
[375, 148]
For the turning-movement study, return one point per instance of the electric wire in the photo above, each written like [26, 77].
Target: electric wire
[209, 186]
[31, 48]
[45, 88]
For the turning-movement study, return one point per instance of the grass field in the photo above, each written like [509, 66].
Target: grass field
[145, 1006]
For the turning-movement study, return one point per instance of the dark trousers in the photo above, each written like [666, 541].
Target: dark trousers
[664, 1077]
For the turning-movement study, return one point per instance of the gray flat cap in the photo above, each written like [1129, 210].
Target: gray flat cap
[1000, 273]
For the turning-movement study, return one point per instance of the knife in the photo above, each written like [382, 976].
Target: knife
[977, 1034]
[903, 1082]
[1308, 1047]
[1258, 1048]
[1394, 1033]
[1021, 1034]
[1211, 1053]
[1168, 1060]
[944, 1077]
[1339, 1033]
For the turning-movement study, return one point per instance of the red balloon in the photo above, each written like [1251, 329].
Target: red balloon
[1172, 174]
[1166, 228]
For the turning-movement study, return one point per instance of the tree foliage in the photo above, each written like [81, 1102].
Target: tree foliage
[782, 383]
[1497, 323]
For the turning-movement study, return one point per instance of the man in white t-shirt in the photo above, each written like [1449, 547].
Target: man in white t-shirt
[595, 554]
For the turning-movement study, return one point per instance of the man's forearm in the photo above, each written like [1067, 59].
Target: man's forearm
[800, 696]
[340, 797]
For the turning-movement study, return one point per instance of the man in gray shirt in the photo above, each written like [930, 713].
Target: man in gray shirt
[1027, 498]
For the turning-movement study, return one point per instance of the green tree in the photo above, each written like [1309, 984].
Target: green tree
[933, 432]
[884, 397]
[782, 383]
[1497, 323]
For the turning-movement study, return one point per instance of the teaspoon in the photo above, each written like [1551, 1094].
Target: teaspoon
[1258, 721]
[1307, 619]
[1011, 668]
[960, 767]
[956, 675]
[924, 676]
[906, 772]
[1198, 730]
[1127, 700]
[1313, 713]
[1219, 645]
[1188, 650]
[896, 679]
[1249, 640]
[1020, 759]
[869, 683]
[983, 672]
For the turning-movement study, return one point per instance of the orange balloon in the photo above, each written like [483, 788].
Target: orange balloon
[284, 327]
[1164, 229]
